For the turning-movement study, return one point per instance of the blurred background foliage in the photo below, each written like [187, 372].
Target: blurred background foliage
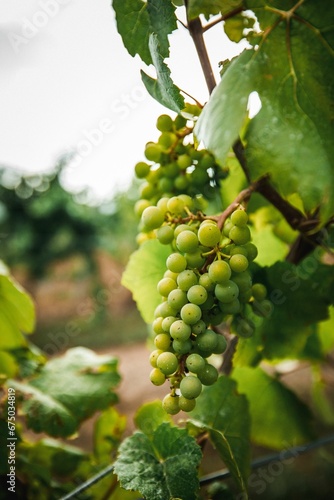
[69, 254]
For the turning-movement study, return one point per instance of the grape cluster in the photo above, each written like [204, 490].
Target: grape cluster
[207, 282]
[175, 165]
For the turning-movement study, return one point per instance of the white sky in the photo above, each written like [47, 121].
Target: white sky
[65, 73]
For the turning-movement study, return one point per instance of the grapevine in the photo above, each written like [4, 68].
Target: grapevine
[207, 282]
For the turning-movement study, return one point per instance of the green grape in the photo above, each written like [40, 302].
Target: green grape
[238, 249]
[191, 313]
[243, 280]
[177, 298]
[142, 169]
[176, 262]
[187, 241]
[140, 207]
[244, 327]
[165, 185]
[195, 260]
[209, 235]
[167, 362]
[181, 182]
[238, 263]
[157, 377]
[171, 404]
[175, 205]
[171, 275]
[154, 356]
[152, 217]
[186, 404]
[195, 363]
[207, 282]
[240, 235]
[180, 121]
[208, 375]
[227, 227]
[171, 170]
[197, 294]
[199, 327]
[162, 341]
[239, 218]
[188, 201]
[165, 286]
[208, 304]
[182, 347]
[251, 251]
[165, 234]
[219, 271]
[207, 161]
[263, 308]
[215, 316]
[166, 140]
[207, 341]
[232, 307]
[167, 322]
[259, 292]
[221, 345]
[164, 123]
[184, 161]
[186, 279]
[199, 177]
[245, 296]
[153, 152]
[182, 227]
[162, 204]
[180, 330]
[164, 310]
[227, 291]
[190, 387]
[157, 325]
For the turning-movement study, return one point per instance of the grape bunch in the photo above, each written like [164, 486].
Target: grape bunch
[207, 282]
[175, 165]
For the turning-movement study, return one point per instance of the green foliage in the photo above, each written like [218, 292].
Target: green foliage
[290, 137]
[278, 419]
[151, 255]
[68, 390]
[152, 464]
[223, 413]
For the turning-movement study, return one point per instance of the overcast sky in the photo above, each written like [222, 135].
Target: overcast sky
[68, 84]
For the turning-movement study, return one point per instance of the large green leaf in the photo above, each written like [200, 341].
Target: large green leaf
[162, 89]
[223, 413]
[162, 467]
[17, 312]
[68, 390]
[149, 416]
[108, 432]
[136, 20]
[279, 419]
[301, 296]
[145, 268]
[210, 8]
[291, 136]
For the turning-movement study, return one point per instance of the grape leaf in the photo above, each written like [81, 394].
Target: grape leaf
[108, 431]
[67, 390]
[137, 20]
[145, 268]
[17, 312]
[278, 419]
[211, 8]
[291, 136]
[301, 296]
[149, 416]
[223, 413]
[162, 89]
[160, 468]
